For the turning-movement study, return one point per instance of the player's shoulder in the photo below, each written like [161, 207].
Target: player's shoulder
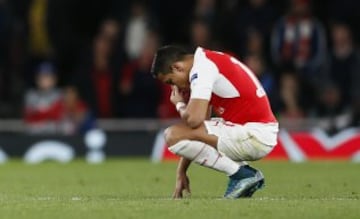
[199, 55]
[214, 56]
[201, 52]
[202, 65]
[201, 59]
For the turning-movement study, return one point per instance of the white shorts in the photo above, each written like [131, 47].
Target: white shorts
[237, 141]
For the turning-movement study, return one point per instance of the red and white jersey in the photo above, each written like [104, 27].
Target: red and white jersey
[233, 90]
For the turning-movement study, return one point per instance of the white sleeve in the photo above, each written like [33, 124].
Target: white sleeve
[202, 77]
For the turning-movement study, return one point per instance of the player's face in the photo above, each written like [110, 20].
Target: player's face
[178, 76]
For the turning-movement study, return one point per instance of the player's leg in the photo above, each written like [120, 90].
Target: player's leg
[237, 143]
[198, 146]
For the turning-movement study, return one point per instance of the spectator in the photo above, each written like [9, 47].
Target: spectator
[72, 25]
[298, 39]
[347, 11]
[205, 10]
[136, 26]
[254, 44]
[330, 111]
[343, 63]
[76, 117]
[43, 105]
[111, 29]
[96, 78]
[342, 69]
[255, 19]
[290, 96]
[200, 34]
[140, 93]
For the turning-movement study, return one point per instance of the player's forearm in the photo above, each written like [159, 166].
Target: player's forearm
[190, 119]
[183, 165]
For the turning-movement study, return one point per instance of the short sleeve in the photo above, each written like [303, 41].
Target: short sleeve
[203, 76]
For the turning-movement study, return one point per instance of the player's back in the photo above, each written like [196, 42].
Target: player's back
[237, 95]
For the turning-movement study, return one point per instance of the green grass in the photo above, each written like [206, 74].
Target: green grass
[136, 188]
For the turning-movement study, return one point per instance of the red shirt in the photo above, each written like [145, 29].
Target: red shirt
[102, 80]
[232, 89]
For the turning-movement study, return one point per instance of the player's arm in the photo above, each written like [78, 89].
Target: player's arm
[202, 79]
[194, 113]
[182, 180]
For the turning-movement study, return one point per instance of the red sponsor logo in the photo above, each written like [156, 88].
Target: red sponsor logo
[301, 146]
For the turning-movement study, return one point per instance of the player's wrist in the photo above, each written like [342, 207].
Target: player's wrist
[180, 105]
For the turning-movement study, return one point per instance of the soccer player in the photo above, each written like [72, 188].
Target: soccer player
[246, 129]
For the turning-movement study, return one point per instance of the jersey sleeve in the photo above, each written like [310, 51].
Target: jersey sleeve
[202, 76]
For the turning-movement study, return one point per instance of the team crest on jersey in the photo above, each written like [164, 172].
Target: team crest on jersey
[193, 77]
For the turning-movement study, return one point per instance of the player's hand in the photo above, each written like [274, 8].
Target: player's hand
[182, 185]
[176, 96]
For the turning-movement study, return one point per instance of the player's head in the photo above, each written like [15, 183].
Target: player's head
[46, 76]
[172, 64]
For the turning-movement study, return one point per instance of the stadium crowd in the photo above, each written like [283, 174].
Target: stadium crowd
[68, 62]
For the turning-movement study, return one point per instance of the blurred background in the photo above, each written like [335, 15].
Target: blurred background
[69, 66]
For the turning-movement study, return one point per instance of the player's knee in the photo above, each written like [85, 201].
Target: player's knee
[171, 136]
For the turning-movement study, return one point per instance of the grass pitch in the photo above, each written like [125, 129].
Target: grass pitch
[136, 188]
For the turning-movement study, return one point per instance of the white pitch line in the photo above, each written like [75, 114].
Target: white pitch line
[77, 198]
[43, 198]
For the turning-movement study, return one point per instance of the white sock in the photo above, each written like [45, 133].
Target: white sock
[205, 155]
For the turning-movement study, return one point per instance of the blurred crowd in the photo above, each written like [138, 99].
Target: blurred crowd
[64, 63]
